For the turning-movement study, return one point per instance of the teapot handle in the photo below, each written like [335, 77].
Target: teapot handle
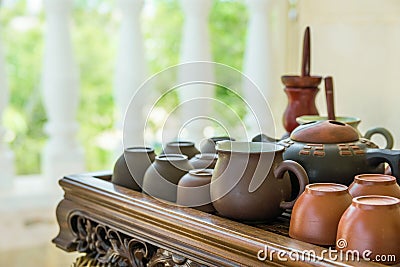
[299, 172]
[382, 131]
[376, 156]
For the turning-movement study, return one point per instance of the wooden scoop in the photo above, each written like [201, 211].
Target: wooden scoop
[306, 60]
[329, 98]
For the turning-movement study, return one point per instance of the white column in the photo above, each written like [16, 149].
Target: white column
[130, 70]
[195, 46]
[6, 156]
[62, 153]
[258, 65]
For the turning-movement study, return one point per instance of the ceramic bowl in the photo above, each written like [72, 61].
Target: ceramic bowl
[316, 214]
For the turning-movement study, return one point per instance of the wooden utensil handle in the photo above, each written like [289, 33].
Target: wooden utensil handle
[305, 65]
[329, 98]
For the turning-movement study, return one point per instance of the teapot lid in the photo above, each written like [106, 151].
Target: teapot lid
[325, 132]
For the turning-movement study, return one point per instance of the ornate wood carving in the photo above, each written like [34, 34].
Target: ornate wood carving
[107, 245]
[110, 247]
[164, 258]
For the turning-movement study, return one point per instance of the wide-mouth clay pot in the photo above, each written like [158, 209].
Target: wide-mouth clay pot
[371, 225]
[353, 122]
[249, 181]
[374, 184]
[316, 214]
[333, 152]
[181, 147]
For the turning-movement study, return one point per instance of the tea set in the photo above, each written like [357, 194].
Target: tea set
[324, 171]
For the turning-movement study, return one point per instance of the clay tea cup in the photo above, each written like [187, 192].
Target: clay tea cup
[194, 190]
[130, 167]
[181, 147]
[162, 177]
[204, 161]
[371, 225]
[374, 184]
[208, 145]
[316, 213]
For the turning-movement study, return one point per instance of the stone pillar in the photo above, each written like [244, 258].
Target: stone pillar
[195, 46]
[258, 67]
[130, 71]
[62, 153]
[6, 155]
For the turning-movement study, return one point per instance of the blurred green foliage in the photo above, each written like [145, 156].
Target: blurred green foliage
[95, 34]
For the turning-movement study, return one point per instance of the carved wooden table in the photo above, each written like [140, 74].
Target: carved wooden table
[121, 227]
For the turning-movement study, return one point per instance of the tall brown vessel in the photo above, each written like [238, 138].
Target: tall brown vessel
[301, 90]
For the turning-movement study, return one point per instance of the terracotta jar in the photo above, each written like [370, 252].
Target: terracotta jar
[162, 177]
[374, 184]
[333, 152]
[204, 161]
[371, 223]
[208, 145]
[353, 122]
[249, 181]
[194, 190]
[301, 99]
[130, 167]
[181, 147]
[316, 214]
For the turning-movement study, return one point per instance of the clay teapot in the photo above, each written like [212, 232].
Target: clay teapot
[353, 122]
[332, 152]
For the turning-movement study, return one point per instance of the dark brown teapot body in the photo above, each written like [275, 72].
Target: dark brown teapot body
[332, 151]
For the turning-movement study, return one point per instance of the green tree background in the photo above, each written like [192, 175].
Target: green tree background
[95, 25]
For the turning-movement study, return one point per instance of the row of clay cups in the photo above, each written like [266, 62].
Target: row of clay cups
[364, 216]
[140, 169]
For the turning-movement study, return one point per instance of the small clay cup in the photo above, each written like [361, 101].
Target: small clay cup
[194, 190]
[204, 161]
[371, 223]
[181, 147]
[317, 212]
[130, 167]
[162, 177]
[374, 184]
[208, 145]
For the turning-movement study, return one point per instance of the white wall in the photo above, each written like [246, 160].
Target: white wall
[358, 43]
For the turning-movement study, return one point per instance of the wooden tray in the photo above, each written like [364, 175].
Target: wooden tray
[116, 225]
